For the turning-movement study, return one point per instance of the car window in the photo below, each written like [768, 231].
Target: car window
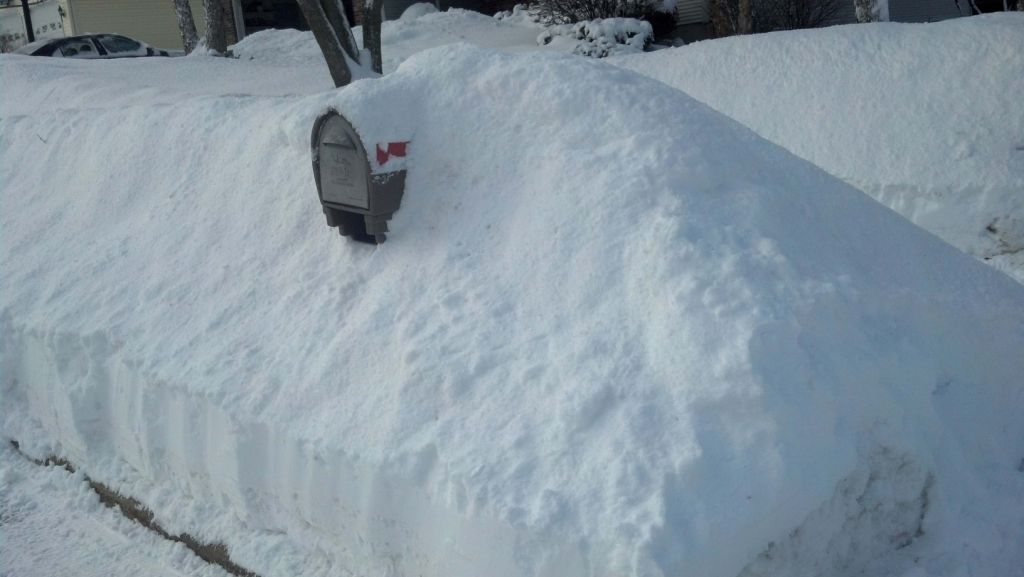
[47, 50]
[78, 48]
[121, 46]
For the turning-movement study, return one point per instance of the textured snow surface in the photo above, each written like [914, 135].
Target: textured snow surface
[928, 119]
[612, 332]
[54, 525]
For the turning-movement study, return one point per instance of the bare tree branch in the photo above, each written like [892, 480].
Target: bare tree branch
[336, 17]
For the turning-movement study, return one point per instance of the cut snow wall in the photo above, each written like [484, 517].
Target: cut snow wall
[85, 394]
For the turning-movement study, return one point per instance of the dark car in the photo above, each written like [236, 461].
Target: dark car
[91, 46]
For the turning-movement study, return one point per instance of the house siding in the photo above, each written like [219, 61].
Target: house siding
[152, 21]
[925, 10]
[847, 14]
[692, 12]
[699, 12]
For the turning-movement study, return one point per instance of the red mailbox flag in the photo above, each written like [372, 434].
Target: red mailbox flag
[391, 149]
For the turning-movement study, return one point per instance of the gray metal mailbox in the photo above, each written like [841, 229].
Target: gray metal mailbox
[356, 199]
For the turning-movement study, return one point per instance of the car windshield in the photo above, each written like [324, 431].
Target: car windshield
[119, 45]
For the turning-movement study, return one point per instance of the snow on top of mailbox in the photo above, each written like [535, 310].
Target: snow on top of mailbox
[384, 123]
[612, 332]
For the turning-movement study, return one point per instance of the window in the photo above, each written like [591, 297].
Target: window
[48, 50]
[78, 48]
[121, 46]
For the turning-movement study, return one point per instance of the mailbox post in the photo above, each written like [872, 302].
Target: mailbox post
[355, 199]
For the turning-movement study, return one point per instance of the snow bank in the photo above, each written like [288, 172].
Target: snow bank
[34, 87]
[270, 45]
[291, 48]
[418, 10]
[611, 333]
[402, 38]
[926, 118]
[421, 27]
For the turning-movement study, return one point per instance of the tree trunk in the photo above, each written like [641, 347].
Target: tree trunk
[336, 17]
[328, 39]
[721, 23]
[745, 21]
[372, 16]
[864, 10]
[216, 38]
[186, 24]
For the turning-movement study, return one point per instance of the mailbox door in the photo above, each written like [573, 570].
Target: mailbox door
[344, 177]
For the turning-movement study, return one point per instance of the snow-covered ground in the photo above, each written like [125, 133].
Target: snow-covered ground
[613, 332]
[52, 524]
[927, 119]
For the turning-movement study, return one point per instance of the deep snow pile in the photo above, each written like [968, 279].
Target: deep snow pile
[612, 333]
[928, 119]
[922, 117]
[400, 39]
[422, 27]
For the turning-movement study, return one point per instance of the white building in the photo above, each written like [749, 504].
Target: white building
[46, 22]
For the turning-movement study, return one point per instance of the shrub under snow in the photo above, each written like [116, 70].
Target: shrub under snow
[597, 38]
[603, 37]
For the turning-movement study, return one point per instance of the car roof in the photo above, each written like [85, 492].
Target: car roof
[33, 46]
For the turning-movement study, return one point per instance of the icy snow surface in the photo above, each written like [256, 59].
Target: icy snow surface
[928, 119]
[613, 332]
[52, 524]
